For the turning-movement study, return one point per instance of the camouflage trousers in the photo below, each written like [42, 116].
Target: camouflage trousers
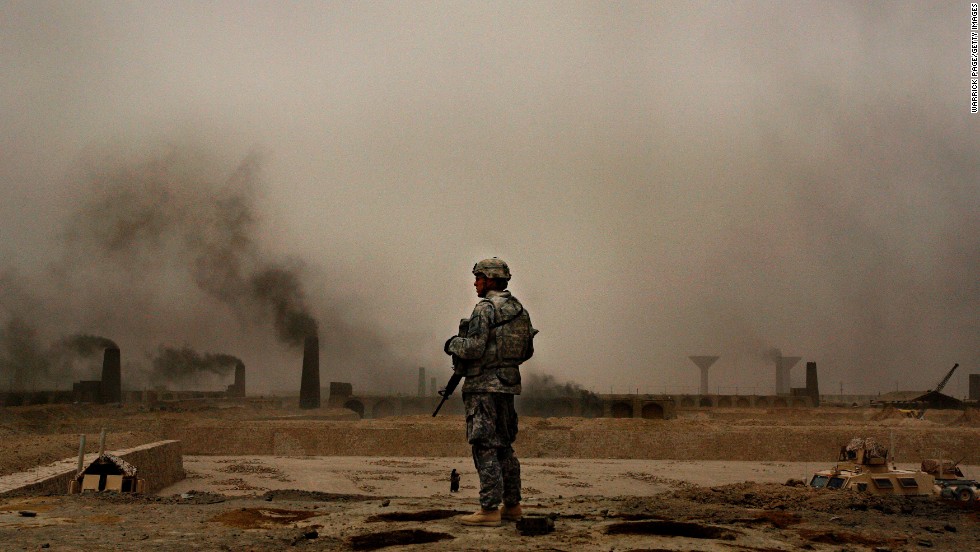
[491, 427]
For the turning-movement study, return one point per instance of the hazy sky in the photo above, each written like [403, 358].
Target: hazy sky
[665, 179]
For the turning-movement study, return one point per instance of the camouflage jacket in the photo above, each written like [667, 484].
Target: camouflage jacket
[485, 370]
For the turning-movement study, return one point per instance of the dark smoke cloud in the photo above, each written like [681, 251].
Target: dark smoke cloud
[181, 365]
[176, 210]
[30, 357]
[546, 386]
[539, 389]
[26, 362]
[149, 228]
[23, 362]
[85, 345]
[281, 290]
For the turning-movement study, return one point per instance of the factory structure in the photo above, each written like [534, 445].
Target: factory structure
[568, 402]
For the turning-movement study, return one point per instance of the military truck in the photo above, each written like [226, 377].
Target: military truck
[951, 483]
[863, 465]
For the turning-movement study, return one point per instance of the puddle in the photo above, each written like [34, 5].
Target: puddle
[425, 515]
[374, 541]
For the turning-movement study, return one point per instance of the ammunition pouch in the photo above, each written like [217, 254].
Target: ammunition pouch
[509, 375]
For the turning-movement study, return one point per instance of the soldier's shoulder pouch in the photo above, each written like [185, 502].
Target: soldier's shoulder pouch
[514, 335]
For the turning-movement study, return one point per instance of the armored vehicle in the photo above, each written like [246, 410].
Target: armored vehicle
[863, 465]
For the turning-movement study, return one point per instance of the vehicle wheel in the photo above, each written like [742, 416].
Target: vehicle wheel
[965, 494]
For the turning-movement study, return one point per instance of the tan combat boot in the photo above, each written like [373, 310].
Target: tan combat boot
[483, 518]
[511, 513]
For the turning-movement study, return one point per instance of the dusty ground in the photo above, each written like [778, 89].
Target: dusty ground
[261, 502]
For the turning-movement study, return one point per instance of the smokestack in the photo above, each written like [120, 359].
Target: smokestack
[309, 390]
[111, 387]
[783, 366]
[421, 381]
[704, 362]
[975, 387]
[812, 390]
[239, 380]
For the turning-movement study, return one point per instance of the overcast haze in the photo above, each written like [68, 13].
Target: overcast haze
[665, 179]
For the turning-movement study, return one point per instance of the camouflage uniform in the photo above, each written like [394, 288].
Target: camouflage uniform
[488, 395]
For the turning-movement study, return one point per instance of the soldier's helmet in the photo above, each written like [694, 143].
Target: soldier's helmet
[492, 268]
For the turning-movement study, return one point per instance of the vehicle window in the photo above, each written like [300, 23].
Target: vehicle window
[819, 481]
[835, 483]
[908, 482]
[883, 483]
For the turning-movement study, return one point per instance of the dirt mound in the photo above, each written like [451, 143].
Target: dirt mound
[970, 418]
[772, 497]
[20, 452]
[43, 417]
[892, 413]
[37, 435]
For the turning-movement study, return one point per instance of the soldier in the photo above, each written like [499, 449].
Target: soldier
[498, 339]
[454, 481]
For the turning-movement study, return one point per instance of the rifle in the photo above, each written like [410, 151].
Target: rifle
[445, 393]
[458, 371]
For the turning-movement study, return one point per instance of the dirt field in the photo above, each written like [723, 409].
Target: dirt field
[266, 496]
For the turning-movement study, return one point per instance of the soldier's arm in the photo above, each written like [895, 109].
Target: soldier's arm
[475, 343]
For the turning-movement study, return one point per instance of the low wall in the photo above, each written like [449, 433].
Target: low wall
[159, 464]
[605, 438]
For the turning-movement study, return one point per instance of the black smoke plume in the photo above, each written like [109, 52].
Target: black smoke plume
[544, 386]
[23, 362]
[540, 391]
[178, 365]
[87, 346]
[281, 290]
[176, 211]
